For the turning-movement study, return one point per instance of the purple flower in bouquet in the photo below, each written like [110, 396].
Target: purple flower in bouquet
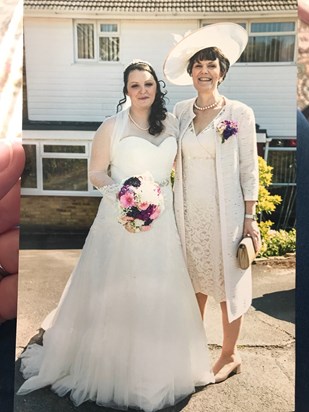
[155, 213]
[133, 181]
[124, 189]
[227, 128]
[145, 214]
[133, 212]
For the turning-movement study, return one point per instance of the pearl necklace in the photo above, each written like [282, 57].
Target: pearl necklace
[137, 125]
[210, 106]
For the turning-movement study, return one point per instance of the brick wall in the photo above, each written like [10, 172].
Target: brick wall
[58, 212]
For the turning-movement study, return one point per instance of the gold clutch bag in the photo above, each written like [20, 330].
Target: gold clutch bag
[245, 252]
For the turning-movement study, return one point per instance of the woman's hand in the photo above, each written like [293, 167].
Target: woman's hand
[125, 221]
[251, 229]
[129, 228]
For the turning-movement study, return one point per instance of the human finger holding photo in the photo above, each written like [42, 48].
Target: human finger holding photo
[12, 159]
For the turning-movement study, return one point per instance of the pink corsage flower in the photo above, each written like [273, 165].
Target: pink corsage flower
[226, 129]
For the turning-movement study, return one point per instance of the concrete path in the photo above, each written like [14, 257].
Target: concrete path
[267, 344]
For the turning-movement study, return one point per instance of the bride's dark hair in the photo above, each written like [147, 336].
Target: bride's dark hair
[158, 109]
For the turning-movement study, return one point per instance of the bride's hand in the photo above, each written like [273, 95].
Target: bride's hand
[126, 223]
[129, 228]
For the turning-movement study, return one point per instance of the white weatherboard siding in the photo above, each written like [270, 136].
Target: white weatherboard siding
[61, 90]
[58, 88]
[270, 90]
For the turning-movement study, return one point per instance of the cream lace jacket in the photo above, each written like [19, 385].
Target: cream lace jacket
[237, 175]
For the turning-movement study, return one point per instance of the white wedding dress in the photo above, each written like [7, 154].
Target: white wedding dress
[127, 331]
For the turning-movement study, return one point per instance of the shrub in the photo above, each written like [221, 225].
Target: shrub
[274, 243]
[266, 202]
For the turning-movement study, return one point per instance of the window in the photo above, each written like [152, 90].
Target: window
[54, 168]
[108, 42]
[85, 41]
[97, 41]
[283, 162]
[269, 42]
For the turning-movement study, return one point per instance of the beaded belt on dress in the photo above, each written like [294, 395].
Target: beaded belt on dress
[111, 189]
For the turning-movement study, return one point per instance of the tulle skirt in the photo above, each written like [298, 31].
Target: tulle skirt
[127, 331]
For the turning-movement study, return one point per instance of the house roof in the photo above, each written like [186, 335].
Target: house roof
[175, 6]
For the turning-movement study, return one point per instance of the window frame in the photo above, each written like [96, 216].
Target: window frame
[40, 155]
[97, 35]
[249, 21]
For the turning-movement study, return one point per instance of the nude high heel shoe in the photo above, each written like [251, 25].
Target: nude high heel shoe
[227, 371]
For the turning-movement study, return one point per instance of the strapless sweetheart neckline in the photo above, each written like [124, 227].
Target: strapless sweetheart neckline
[147, 141]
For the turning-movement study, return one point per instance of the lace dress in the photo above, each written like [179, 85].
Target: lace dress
[201, 212]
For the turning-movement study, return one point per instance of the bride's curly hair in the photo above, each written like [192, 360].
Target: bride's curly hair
[158, 110]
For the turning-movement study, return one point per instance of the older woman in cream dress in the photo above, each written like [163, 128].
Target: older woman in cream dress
[216, 183]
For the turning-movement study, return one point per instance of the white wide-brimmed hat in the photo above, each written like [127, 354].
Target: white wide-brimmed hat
[230, 38]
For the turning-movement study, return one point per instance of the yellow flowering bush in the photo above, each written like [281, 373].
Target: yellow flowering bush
[274, 242]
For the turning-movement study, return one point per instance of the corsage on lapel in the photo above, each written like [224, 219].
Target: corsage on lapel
[226, 129]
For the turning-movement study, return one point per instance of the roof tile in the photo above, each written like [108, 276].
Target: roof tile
[139, 6]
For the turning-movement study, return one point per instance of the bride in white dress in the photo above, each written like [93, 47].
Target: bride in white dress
[127, 331]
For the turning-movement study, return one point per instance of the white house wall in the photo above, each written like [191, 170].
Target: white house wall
[59, 89]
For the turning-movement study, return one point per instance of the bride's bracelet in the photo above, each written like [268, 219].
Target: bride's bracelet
[109, 189]
[165, 182]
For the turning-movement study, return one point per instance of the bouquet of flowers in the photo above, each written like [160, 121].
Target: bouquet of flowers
[227, 128]
[140, 202]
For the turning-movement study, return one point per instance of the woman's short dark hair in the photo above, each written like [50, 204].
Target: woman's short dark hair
[210, 53]
[158, 109]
